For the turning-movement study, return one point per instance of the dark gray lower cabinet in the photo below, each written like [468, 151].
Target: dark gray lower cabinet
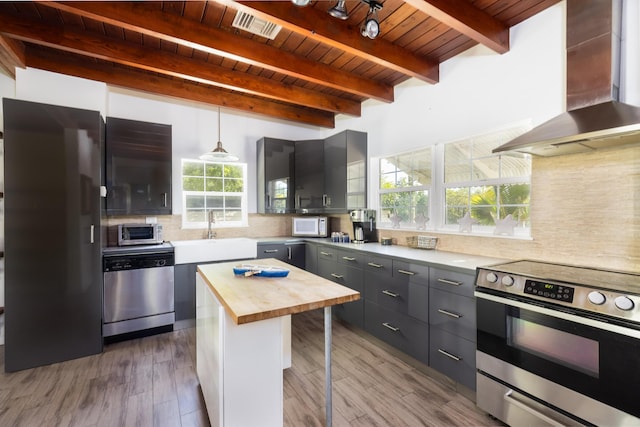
[185, 291]
[401, 331]
[453, 356]
[452, 320]
[344, 274]
[426, 312]
[290, 252]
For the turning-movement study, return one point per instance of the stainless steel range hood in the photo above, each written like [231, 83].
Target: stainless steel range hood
[595, 119]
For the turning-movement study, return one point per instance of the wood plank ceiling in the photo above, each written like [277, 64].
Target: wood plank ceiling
[317, 66]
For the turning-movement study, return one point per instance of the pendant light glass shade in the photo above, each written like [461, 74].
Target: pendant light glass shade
[219, 154]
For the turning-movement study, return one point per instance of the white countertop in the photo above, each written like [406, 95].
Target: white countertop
[459, 261]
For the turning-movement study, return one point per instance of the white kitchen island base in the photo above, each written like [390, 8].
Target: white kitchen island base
[243, 328]
[239, 366]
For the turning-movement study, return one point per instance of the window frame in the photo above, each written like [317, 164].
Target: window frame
[244, 207]
[437, 195]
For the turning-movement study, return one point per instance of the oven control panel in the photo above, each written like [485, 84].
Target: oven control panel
[603, 301]
[549, 290]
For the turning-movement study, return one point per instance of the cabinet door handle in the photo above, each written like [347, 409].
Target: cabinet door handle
[270, 251]
[373, 264]
[391, 294]
[446, 353]
[289, 252]
[348, 258]
[390, 326]
[337, 276]
[408, 273]
[325, 253]
[448, 313]
[450, 282]
[298, 201]
[164, 200]
[269, 201]
[92, 231]
[325, 198]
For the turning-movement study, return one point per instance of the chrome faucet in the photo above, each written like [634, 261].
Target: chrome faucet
[212, 220]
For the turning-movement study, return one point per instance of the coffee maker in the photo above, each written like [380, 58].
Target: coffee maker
[364, 225]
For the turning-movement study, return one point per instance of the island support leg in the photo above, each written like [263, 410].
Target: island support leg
[327, 364]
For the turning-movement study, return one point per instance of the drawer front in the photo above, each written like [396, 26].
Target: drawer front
[453, 356]
[390, 294]
[351, 312]
[451, 281]
[351, 258]
[379, 265]
[402, 332]
[453, 313]
[273, 250]
[327, 253]
[342, 274]
[411, 272]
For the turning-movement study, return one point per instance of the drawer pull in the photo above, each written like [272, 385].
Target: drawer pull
[348, 258]
[408, 273]
[337, 276]
[373, 264]
[446, 353]
[450, 282]
[270, 251]
[389, 326]
[325, 253]
[391, 294]
[448, 313]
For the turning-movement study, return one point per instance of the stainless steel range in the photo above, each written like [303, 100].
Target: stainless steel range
[558, 344]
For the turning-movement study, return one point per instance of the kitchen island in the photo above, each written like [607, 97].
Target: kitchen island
[240, 334]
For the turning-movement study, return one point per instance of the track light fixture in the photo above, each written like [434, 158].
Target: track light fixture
[339, 10]
[301, 3]
[371, 25]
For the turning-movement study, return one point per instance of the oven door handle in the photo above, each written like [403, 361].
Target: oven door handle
[629, 332]
[510, 398]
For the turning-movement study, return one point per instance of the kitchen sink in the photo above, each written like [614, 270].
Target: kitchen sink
[207, 250]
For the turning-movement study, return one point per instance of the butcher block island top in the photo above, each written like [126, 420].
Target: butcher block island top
[250, 299]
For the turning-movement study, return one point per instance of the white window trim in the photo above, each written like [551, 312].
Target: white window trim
[437, 206]
[244, 222]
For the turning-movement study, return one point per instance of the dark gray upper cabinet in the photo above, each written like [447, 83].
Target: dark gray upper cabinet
[345, 172]
[313, 176]
[275, 175]
[309, 176]
[331, 174]
[138, 167]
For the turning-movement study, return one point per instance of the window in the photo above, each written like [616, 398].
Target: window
[486, 186]
[220, 187]
[405, 183]
[440, 185]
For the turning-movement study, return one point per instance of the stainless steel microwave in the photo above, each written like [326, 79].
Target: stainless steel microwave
[139, 234]
[310, 226]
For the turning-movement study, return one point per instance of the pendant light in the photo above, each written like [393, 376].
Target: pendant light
[219, 154]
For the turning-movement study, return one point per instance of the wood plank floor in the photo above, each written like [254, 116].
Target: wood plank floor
[152, 382]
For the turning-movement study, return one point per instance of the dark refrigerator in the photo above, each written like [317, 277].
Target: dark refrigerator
[53, 272]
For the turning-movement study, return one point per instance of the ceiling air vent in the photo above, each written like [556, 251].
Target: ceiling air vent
[255, 25]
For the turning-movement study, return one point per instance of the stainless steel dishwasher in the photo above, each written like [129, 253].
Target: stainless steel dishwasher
[138, 288]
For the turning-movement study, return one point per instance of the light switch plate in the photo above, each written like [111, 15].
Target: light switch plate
[151, 220]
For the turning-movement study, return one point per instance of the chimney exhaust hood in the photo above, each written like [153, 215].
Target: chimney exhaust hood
[595, 119]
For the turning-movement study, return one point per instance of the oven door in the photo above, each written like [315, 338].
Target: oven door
[584, 354]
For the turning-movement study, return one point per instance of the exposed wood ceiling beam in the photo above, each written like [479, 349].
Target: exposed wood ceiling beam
[318, 25]
[463, 17]
[147, 19]
[163, 62]
[11, 55]
[177, 88]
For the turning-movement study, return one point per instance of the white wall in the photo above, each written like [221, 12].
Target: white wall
[479, 91]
